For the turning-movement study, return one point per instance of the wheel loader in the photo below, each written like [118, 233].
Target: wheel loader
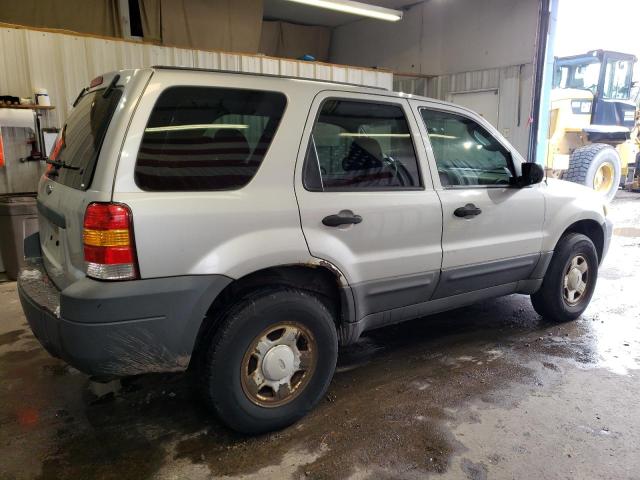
[592, 119]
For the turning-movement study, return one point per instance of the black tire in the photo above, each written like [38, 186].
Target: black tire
[549, 301]
[585, 162]
[240, 326]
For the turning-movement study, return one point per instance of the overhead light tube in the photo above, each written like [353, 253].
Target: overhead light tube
[355, 8]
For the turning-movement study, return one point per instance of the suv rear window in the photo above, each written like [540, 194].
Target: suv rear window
[82, 137]
[206, 138]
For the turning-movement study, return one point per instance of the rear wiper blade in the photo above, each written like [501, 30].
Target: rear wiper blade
[57, 164]
[80, 95]
[111, 86]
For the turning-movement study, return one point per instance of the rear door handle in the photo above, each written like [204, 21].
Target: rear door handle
[468, 211]
[345, 217]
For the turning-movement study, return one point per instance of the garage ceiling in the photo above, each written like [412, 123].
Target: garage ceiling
[308, 15]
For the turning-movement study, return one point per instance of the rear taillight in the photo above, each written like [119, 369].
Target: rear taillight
[109, 249]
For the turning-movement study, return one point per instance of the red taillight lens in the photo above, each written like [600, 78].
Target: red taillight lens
[109, 250]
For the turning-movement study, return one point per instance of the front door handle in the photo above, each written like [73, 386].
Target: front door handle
[468, 211]
[345, 217]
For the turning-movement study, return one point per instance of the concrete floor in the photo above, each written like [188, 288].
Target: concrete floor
[487, 391]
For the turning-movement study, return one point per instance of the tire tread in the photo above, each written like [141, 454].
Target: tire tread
[224, 334]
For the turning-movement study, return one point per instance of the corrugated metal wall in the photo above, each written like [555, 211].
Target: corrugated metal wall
[64, 63]
[512, 83]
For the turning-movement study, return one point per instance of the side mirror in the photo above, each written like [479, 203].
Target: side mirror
[532, 173]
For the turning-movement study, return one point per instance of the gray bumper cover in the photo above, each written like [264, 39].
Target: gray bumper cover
[118, 328]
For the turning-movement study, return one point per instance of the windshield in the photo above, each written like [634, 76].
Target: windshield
[78, 146]
[583, 75]
[617, 79]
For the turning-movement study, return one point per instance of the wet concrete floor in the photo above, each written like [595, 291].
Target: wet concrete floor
[486, 391]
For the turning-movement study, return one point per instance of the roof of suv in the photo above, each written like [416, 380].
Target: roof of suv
[328, 83]
[271, 75]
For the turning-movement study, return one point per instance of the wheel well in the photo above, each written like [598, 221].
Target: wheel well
[319, 280]
[591, 229]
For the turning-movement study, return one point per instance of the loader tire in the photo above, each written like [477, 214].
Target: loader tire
[596, 166]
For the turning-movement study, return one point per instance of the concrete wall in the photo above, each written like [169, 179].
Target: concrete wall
[439, 37]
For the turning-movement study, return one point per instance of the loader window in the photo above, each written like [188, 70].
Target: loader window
[582, 76]
[617, 79]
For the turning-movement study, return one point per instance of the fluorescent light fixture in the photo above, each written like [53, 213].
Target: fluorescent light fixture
[201, 126]
[383, 135]
[355, 8]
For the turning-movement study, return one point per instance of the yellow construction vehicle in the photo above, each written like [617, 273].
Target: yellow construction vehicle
[592, 117]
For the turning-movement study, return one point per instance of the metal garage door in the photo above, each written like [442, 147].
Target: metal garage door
[483, 102]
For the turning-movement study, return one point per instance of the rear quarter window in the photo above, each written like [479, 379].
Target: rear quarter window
[207, 138]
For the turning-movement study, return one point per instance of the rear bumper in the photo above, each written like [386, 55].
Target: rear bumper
[118, 328]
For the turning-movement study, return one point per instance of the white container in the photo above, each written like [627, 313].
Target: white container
[42, 97]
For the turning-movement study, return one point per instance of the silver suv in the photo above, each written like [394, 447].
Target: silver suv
[244, 226]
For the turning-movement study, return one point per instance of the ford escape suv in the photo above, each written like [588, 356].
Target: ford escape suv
[244, 226]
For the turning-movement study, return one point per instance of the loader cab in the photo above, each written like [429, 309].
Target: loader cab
[608, 76]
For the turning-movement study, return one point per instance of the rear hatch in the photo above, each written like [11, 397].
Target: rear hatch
[81, 169]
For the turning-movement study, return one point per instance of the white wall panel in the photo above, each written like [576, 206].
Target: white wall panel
[306, 70]
[14, 66]
[229, 61]
[250, 64]
[339, 74]
[64, 64]
[102, 56]
[270, 65]
[289, 68]
[323, 72]
[75, 72]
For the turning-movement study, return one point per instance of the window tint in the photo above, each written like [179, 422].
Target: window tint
[81, 138]
[466, 154]
[360, 145]
[204, 138]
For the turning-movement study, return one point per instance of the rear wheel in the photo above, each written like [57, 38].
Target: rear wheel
[270, 361]
[597, 166]
[569, 281]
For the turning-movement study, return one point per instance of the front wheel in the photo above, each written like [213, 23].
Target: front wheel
[270, 361]
[570, 279]
[596, 166]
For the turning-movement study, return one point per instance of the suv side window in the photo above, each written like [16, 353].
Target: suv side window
[206, 138]
[466, 154]
[360, 145]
